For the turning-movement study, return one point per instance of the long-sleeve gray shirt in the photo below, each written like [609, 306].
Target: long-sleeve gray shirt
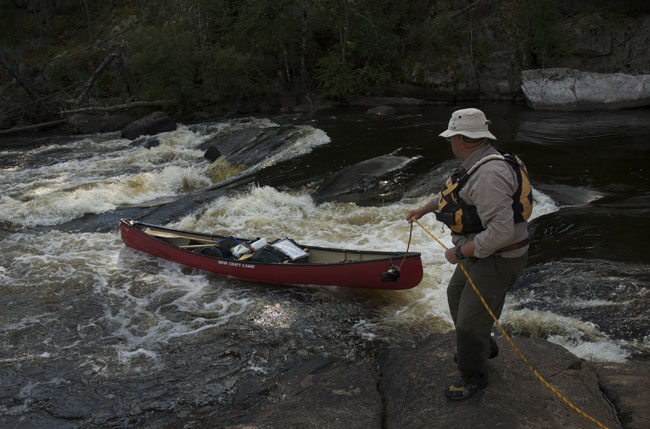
[490, 189]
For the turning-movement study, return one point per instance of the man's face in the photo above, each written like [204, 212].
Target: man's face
[455, 144]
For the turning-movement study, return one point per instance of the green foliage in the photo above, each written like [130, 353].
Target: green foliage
[338, 81]
[537, 28]
[163, 61]
[362, 51]
[229, 76]
[218, 53]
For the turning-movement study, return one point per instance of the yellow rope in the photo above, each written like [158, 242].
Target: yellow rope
[408, 246]
[514, 347]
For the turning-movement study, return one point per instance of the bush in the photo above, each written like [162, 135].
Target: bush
[229, 76]
[164, 63]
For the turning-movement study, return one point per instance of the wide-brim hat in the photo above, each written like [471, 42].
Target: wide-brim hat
[470, 122]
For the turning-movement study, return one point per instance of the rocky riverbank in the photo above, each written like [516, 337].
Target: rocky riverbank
[404, 388]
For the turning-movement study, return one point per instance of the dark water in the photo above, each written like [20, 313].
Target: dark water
[96, 334]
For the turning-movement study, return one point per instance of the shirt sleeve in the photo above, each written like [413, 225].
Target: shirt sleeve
[435, 200]
[490, 189]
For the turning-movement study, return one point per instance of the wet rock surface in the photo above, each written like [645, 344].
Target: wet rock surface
[249, 146]
[625, 386]
[364, 182]
[405, 387]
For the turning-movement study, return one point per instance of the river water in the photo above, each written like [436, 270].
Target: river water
[94, 333]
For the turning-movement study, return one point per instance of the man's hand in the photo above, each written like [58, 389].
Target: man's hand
[413, 214]
[421, 211]
[450, 255]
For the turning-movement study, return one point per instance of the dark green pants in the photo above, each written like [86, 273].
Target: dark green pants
[493, 276]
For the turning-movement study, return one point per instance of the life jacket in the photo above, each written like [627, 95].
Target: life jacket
[463, 218]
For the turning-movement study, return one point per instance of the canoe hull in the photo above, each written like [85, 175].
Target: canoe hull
[363, 274]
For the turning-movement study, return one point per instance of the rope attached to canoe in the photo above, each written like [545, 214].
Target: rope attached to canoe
[507, 337]
[394, 271]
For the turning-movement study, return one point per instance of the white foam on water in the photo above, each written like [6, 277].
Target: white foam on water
[542, 204]
[599, 351]
[269, 213]
[257, 367]
[581, 338]
[96, 182]
[313, 137]
[164, 303]
[364, 329]
[125, 357]
[146, 301]
[57, 193]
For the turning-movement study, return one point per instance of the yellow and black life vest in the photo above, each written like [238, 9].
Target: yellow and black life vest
[461, 217]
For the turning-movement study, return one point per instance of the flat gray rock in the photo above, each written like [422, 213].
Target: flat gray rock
[413, 382]
[570, 89]
[626, 385]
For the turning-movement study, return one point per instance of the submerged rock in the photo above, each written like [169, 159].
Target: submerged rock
[146, 142]
[381, 111]
[154, 123]
[570, 89]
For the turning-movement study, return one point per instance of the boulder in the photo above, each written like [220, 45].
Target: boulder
[154, 123]
[146, 142]
[365, 182]
[212, 153]
[249, 146]
[570, 89]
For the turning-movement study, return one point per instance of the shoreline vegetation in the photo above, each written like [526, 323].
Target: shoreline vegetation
[208, 58]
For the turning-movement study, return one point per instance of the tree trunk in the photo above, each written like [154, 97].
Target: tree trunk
[157, 103]
[33, 127]
[94, 76]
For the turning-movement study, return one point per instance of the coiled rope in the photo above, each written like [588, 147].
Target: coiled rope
[507, 337]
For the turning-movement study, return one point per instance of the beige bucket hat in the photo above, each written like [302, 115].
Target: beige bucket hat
[470, 122]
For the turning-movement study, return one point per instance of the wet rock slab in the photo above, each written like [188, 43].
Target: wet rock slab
[321, 393]
[413, 384]
[626, 386]
[404, 388]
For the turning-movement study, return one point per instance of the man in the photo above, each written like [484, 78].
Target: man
[486, 203]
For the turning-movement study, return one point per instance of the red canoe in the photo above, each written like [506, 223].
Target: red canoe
[301, 265]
